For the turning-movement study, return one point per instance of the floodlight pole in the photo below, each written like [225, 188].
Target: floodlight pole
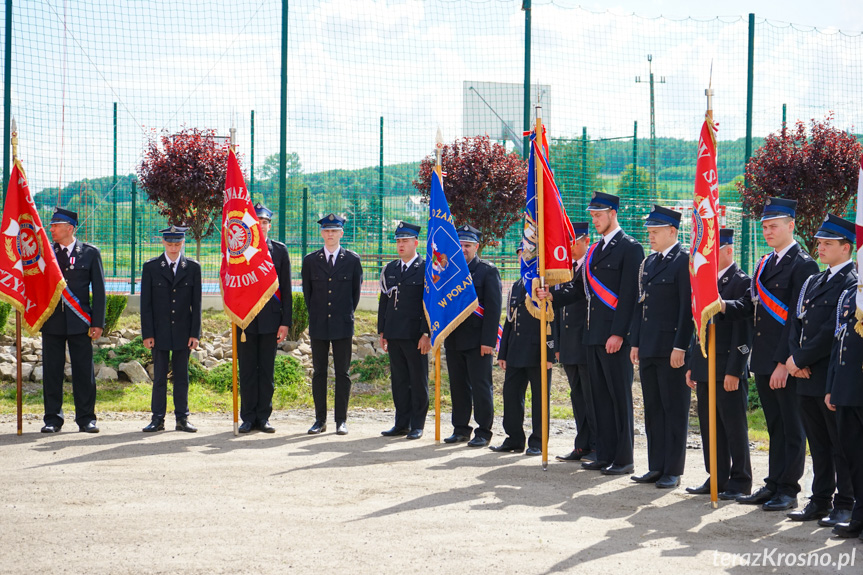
[652, 81]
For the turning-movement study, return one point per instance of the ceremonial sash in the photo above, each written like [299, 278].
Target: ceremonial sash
[480, 312]
[278, 295]
[771, 303]
[75, 305]
[605, 295]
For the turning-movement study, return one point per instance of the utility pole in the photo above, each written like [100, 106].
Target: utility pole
[661, 80]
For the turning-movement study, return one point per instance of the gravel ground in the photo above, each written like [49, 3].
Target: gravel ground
[125, 502]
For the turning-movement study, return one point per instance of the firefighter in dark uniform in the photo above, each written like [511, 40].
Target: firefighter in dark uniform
[733, 342]
[77, 320]
[257, 355]
[568, 329]
[610, 284]
[404, 333]
[845, 397]
[332, 280]
[470, 349]
[810, 343]
[519, 357]
[171, 282]
[661, 334]
[776, 285]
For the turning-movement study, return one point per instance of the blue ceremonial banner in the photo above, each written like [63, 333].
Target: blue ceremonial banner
[529, 257]
[449, 296]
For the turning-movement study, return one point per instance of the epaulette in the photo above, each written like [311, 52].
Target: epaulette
[805, 255]
[154, 259]
[353, 253]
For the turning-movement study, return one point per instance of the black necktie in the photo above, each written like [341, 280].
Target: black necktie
[659, 257]
[172, 267]
[404, 267]
[331, 261]
[63, 258]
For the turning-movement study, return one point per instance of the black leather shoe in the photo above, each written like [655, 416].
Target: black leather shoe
[668, 482]
[731, 495]
[414, 434]
[184, 425]
[396, 432]
[318, 427]
[763, 495]
[51, 428]
[456, 438]
[89, 427]
[341, 428]
[594, 465]
[533, 451]
[507, 448]
[156, 424]
[649, 477]
[703, 489]
[780, 502]
[266, 427]
[836, 517]
[574, 455]
[246, 427]
[848, 530]
[618, 469]
[810, 512]
[478, 442]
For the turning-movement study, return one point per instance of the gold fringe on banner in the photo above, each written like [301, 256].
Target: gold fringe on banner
[534, 306]
[706, 315]
[554, 277]
[452, 325]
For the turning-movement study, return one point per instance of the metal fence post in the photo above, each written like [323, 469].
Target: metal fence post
[305, 222]
[525, 5]
[283, 126]
[252, 157]
[134, 238]
[747, 250]
[114, 194]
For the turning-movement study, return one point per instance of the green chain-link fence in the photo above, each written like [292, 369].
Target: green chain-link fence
[367, 84]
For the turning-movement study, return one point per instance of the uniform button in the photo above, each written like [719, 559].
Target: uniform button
[567, 325]
[173, 311]
[328, 315]
[175, 291]
[331, 291]
[331, 279]
[174, 301]
[758, 334]
[329, 303]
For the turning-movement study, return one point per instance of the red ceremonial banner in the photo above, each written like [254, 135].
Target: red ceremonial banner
[248, 278]
[558, 231]
[30, 279]
[704, 258]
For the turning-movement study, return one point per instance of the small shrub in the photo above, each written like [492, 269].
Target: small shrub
[5, 310]
[300, 315]
[754, 398]
[197, 372]
[288, 374]
[372, 368]
[132, 351]
[114, 306]
[220, 378]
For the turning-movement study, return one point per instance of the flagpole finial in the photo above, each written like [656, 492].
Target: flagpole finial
[709, 91]
[14, 140]
[438, 147]
[233, 137]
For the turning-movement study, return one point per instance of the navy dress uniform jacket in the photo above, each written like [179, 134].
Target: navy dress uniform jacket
[476, 331]
[279, 310]
[663, 318]
[520, 342]
[811, 337]
[332, 295]
[783, 280]
[733, 338]
[844, 381]
[165, 294]
[616, 267]
[401, 314]
[83, 274]
[569, 326]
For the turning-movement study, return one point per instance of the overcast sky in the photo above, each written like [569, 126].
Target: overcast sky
[846, 15]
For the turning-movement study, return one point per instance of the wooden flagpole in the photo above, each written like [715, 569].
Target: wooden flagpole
[539, 206]
[711, 358]
[18, 385]
[437, 168]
